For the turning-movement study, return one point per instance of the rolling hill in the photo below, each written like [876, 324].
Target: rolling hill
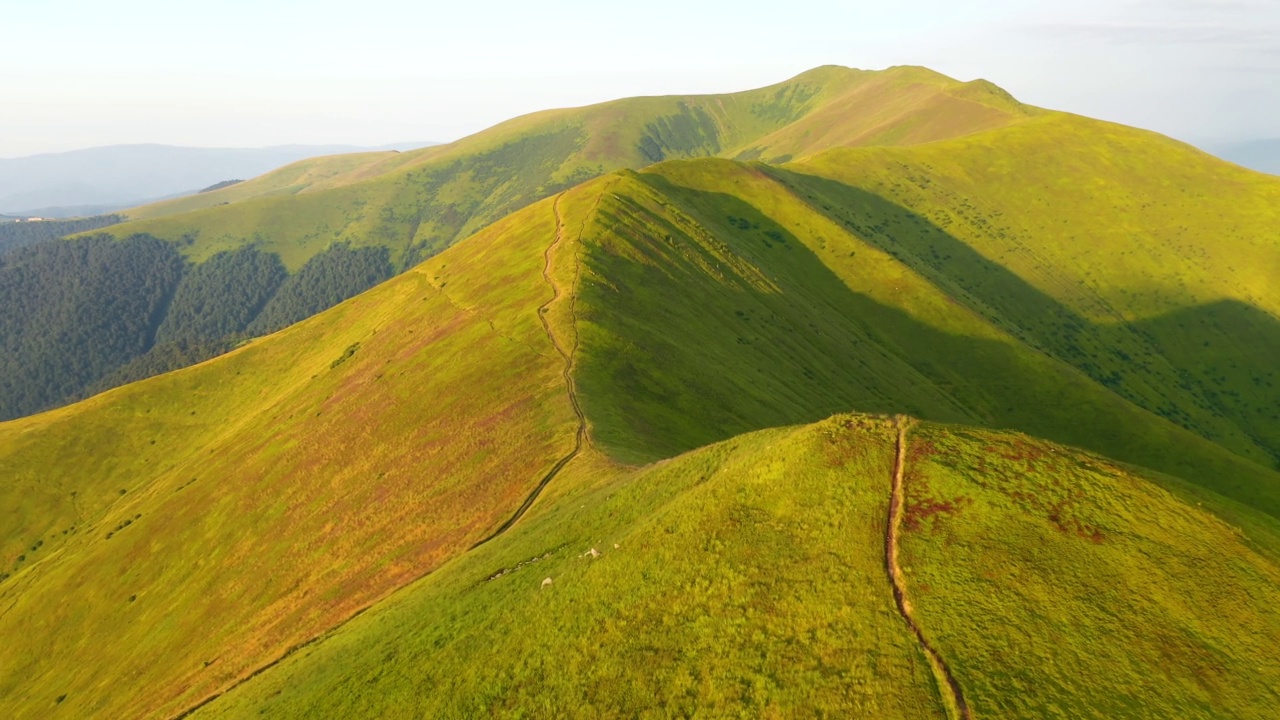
[681, 396]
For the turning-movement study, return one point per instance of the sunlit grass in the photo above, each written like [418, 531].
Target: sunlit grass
[228, 511]
[748, 579]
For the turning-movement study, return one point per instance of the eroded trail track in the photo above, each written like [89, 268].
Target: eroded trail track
[580, 439]
[948, 687]
[566, 355]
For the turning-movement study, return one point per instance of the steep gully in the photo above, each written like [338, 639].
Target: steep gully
[580, 439]
[948, 686]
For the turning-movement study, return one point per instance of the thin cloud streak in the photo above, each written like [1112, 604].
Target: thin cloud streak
[1244, 38]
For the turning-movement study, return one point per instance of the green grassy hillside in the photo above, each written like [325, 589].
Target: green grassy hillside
[748, 579]
[162, 539]
[1144, 263]
[418, 203]
[718, 297]
[608, 360]
[290, 179]
[340, 224]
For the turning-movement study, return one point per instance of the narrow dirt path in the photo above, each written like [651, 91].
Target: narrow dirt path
[580, 438]
[948, 687]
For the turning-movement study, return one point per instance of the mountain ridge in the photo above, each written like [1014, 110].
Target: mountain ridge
[589, 141]
[646, 422]
[339, 224]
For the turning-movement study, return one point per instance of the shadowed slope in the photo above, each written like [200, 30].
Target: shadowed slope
[715, 301]
[1141, 261]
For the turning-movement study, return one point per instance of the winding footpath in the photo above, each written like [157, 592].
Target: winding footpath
[948, 687]
[580, 438]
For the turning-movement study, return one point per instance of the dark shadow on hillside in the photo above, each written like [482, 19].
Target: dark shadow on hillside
[1229, 351]
[1154, 364]
[701, 319]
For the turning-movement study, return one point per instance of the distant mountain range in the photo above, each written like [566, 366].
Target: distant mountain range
[104, 179]
[1262, 155]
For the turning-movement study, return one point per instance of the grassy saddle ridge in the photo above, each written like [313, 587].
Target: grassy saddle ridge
[417, 203]
[162, 540]
[747, 579]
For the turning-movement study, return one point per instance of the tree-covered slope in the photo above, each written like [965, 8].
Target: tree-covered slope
[71, 312]
[14, 235]
[88, 314]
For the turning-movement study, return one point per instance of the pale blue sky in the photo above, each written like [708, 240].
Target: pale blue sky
[78, 73]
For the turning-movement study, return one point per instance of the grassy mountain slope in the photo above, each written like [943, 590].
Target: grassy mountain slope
[164, 538]
[105, 179]
[292, 178]
[715, 300]
[1146, 264]
[419, 202]
[340, 224]
[219, 516]
[1038, 567]
[748, 578]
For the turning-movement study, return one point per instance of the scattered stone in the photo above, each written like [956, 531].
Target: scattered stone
[593, 553]
[546, 583]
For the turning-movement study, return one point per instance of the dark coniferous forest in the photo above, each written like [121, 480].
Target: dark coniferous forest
[14, 235]
[84, 315]
[326, 280]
